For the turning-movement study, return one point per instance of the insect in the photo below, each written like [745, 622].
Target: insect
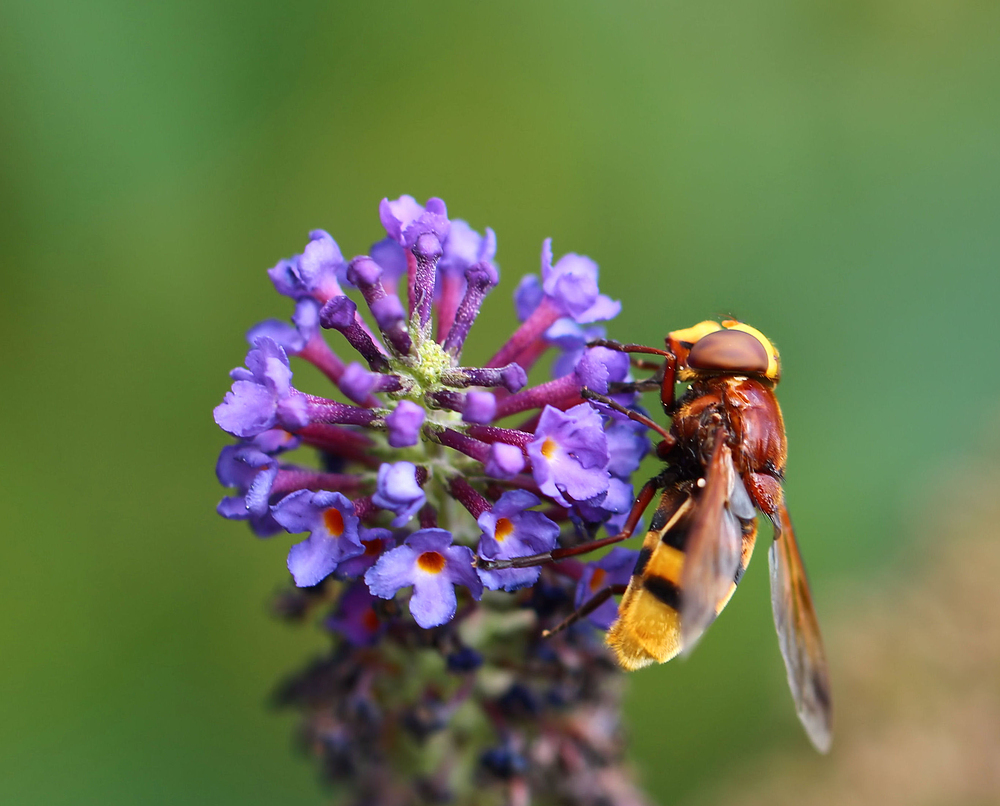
[725, 457]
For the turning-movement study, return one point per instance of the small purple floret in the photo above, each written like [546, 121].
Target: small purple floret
[599, 366]
[252, 472]
[614, 568]
[404, 424]
[511, 529]
[313, 273]
[357, 382]
[480, 407]
[528, 295]
[249, 408]
[333, 533]
[398, 491]
[504, 461]
[569, 455]
[433, 566]
[406, 220]
[627, 445]
[355, 618]
[376, 543]
[571, 284]
[465, 247]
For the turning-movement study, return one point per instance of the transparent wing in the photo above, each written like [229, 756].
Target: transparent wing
[798, 634]
[712, 550]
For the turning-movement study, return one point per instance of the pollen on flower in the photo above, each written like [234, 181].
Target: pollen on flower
[334, 522]
[431, 561]
[549, 448]
[503, 529]
[597, 580]
[432, 361]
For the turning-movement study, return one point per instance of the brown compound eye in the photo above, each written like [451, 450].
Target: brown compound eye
[729, 351]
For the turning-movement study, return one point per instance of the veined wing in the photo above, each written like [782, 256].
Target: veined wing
[713, 548]
[798, 634]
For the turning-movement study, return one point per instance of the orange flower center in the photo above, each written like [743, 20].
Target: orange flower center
[431, 562]
[597, 579]
[503, 530]
[549, 447]
[334, 522]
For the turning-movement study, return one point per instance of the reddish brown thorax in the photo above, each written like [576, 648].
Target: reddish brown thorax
[732, 370]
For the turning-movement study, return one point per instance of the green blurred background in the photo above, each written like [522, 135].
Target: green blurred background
[829, 171]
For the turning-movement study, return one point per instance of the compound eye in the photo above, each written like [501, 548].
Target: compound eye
[729, 351]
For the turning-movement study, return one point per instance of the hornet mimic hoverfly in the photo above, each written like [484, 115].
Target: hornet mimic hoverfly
[725, 458]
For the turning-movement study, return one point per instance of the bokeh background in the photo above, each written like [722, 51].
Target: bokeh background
[829, 171]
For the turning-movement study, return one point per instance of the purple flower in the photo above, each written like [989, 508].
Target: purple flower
[391, 257]
[291, 338]
[528, 295]
[571, 285]
[569, 455]
[250, 407]
[599, 366]
[465, 247]
[611, 510]
[571, 339]
[406, 220]
[251, 472]
[276, 440]
[614, 568]
[313, 273]
[480, 407]
[333, 533]
[404, 424]
[398, 491]
[510, 530]
[627, 445]
[357, 382]
[355, 618]
[433, 566]
[504, 461]
[376, 542]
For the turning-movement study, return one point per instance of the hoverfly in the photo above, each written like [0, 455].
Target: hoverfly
[725, 458]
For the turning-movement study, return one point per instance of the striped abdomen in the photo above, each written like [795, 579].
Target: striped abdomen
[648, 628]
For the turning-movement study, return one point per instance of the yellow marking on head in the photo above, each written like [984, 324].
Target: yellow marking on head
[691, 334]
[773, 359]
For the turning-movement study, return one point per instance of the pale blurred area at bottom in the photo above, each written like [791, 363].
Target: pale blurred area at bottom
[916, 671]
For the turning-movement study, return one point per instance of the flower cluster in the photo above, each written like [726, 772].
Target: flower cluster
[424, 463]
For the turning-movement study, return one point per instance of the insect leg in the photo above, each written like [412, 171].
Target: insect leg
[587, 608]
[611, 344]
[669, 368]
[641, 502]
[590, 394]
[626, 387]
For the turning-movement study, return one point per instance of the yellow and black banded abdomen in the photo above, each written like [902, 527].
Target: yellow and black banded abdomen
[648, 627]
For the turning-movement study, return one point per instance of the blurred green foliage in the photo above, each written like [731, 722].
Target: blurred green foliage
[828, 171]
